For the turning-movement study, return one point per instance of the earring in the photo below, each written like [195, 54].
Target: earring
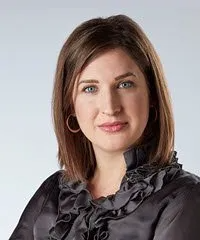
[70, 129]
[156, 113]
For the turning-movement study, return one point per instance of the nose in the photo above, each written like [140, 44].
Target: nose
[110, 103]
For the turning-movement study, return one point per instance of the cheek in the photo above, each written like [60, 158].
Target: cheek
[84, 110]
[138, 105]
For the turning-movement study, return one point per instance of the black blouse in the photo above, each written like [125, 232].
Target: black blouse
[153, 203]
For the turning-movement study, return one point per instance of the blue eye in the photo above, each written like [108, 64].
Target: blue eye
[90, 89]
[127, 84]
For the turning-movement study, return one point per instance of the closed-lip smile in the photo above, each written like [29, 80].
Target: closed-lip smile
[110, 124]
[112, 127]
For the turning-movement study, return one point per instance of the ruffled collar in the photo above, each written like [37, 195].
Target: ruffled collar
[81, 217]
[137, 156]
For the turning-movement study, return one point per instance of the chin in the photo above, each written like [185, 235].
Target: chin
[116, 143]
[116, 147]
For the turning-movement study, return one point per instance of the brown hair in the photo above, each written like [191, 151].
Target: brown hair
[87, 41]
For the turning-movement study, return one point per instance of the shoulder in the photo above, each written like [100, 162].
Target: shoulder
[46, 189]
[47, 192]
[181, 214]
[52, 180]
[185, 186]
[185, 182]
[179, 193]
[188, 190]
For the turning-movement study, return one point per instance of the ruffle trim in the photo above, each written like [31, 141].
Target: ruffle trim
[82, 218]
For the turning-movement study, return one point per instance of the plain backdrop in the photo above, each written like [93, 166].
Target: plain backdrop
[31, 36]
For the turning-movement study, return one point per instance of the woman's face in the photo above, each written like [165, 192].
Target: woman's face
[111, 102]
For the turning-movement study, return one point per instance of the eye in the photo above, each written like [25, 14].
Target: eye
[127, 84]
[90, 89]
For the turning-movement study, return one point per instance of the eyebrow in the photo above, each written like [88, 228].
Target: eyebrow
[122, 76]
[125, 75]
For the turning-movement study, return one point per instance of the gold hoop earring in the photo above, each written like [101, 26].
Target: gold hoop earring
[156, 113]
[70, 129]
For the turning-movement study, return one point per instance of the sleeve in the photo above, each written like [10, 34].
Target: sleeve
[24, 228]
[182, 220]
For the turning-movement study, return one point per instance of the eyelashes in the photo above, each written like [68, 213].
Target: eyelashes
[121, 85]
[127, 84]
[89, 89]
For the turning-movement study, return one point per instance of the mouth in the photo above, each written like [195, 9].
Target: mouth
[113, 126]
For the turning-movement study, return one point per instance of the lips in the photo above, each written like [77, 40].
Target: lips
[113, 126]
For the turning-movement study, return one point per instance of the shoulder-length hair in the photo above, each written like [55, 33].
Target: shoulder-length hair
[86, 42]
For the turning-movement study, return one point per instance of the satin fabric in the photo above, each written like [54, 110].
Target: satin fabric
[152, 203]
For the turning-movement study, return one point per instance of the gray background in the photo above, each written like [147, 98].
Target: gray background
[31, 35]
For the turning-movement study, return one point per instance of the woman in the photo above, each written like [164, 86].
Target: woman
[115, 132]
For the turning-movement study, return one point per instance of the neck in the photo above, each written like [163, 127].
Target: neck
[111, 168]
[110, 163]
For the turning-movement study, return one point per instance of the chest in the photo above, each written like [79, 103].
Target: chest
[101, 224]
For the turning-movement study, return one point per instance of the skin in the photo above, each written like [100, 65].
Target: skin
[111, 88]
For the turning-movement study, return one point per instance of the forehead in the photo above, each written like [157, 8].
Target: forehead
[111, 64]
